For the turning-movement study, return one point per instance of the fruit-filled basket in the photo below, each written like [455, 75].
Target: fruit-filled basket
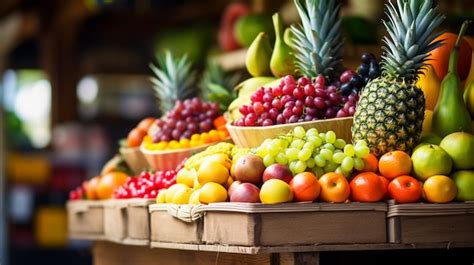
[134, 158]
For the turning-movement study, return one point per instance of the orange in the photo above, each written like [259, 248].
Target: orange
[305, 187]
[135, 137]
[371, 163]
[334, 187]
[108, 183]
[367, 187]
[91, 187]
[439, 57]
[439, 189]
[211, 171]
[394, 164]
[220, 122]
[145, 124]
[212, 192]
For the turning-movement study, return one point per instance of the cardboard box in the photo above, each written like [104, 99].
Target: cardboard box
[247, 224]
[85, 219]
[431, 223]
[127, 221]
[173, 223]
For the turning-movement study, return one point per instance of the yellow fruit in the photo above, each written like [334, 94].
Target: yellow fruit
[220, 158]
[275, 191]
[173, 144]
[196, 184]
[161, 197]
[194, 199]
[430, 84]
[172, 190]
[214, 136]
[427, 122]
[195, 137]
[181, 196]
[212, 192]
[205, 137]
[184, 143]
[212, 172]
[223, 134]
[439, 189]
[186, 177]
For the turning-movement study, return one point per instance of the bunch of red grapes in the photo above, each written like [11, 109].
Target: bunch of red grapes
[297, 101]
[147, 184]
[185, 119]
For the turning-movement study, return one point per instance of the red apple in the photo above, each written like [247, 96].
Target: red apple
[232, 187]
[277, 171]
[245, 192]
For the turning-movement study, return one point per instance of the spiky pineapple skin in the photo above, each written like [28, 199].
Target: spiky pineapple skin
[389, 116]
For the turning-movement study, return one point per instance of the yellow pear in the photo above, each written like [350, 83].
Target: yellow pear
[426, 129]
[429, 82]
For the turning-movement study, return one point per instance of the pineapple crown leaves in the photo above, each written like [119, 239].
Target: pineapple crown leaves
[410, 40]
[217, 86]
[173, 80]
[317, 40]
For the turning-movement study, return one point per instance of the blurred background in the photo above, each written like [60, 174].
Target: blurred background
[74, 79]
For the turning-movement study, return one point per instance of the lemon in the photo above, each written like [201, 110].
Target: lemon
[194, 199]
[172, 190]
[181, 196]
[211, 171]
[186, 177]
[161, 197]
[212, 192]
[220, 158]
[196, 184]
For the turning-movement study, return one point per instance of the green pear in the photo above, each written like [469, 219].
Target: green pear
[282, 61]
[257, 59]
[469, 97]
[288, 37]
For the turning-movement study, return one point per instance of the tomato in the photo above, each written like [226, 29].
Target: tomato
[145, 124]
[370, 163]
[305, 187]
[367, 187]
[135, 137]
[405, 189]
[386, 182]
[334, 187]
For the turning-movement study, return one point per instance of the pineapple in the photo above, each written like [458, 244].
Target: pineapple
[173, 80]
[317, 40]
[390, 111]
[217, 86]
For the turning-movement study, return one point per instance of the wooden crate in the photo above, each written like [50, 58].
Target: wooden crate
[167, 227]
[246, 224]
[430, 223]
[127, 221]
[249, 137]
[85, 219]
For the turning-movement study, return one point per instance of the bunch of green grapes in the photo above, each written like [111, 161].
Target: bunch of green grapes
[313, 151]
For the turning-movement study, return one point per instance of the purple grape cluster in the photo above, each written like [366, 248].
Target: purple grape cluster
[296, 101]
[185, 119]
[353, 82]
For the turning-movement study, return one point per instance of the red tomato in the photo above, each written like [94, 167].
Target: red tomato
[385, 183]
[405, 189]
[305, 187]
[367, 187]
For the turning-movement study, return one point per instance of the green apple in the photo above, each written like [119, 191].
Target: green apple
[460, 147]
[430, 160]
[464, 180]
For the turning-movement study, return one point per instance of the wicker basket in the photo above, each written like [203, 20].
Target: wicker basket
[249, 137]
[167, 160]
[134, 158]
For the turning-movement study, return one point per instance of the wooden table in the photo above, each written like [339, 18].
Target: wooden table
[107, 253]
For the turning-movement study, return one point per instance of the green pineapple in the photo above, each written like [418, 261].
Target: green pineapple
[317, 40]
[217, 86]
[390, 110]
[174, 80]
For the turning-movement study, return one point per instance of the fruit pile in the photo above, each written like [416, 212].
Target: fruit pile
[296, 101]
[313, 151]
[136, 135]
[189, 124]
[147, 184]
[100, 187]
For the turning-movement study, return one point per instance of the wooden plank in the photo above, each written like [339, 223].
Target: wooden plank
[106, 253]
[312, 248]
[307, 258]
